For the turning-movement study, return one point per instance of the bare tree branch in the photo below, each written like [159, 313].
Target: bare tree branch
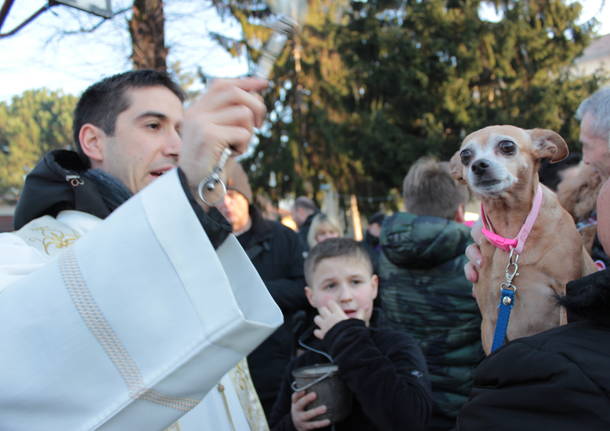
[96, 26]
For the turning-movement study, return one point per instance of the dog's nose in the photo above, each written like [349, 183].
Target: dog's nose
[480, 166]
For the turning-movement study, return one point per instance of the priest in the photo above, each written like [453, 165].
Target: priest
[123, 296]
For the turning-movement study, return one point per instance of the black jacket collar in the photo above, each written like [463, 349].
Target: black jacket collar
[60, 182]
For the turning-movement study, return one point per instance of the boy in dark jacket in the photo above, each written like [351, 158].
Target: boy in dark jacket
[384, 369]
[424, 292]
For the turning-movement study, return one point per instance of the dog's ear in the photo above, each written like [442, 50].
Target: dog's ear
[548, 145]
[456, 169]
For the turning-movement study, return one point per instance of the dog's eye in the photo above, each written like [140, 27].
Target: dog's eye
[466, 156]
[507, 147]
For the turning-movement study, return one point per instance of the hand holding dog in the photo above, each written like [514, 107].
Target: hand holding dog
[473, 253]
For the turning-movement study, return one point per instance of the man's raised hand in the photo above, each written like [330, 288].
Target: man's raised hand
[224, 116]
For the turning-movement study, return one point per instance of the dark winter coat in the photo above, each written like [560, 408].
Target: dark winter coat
[304, 229]
[384, 369]
[557, 380]
[424, 293]
[277, 255]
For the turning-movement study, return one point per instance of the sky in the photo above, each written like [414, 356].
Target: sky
[42, 55]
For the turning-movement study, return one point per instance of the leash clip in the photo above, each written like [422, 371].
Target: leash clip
[512, 268]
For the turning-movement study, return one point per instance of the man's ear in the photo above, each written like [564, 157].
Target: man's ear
[92, 140]
[548, 145]
[459, 214]
[309, 295]
[456, 168]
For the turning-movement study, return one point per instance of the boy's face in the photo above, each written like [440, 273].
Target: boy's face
[348, 281]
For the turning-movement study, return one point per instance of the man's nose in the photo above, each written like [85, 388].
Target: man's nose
[480, 166]
[173, 145]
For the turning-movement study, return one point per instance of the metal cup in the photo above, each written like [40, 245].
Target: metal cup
[331, 390]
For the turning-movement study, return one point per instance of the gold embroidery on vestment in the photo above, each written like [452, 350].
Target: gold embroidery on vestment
[55, 238]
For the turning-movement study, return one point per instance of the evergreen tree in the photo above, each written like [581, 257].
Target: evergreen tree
[366, 88]
[30, 125]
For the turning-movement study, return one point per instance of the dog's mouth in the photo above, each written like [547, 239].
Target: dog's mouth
[486, 183]
[490, 186]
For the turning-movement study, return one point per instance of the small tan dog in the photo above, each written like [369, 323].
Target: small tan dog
[500, 164]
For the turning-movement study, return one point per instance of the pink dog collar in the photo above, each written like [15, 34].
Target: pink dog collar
[518, 242]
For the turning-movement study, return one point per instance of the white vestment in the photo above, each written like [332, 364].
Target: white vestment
[128, 327]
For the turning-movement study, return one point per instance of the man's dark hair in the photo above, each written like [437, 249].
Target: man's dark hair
[102, 102]
[335, 247]
[378, 218]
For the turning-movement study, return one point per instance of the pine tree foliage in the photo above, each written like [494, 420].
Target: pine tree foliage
[368, 87]
[30, 125]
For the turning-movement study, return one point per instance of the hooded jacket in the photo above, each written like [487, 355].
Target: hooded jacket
[424, 293]
[557, 380]
[61, 181]
[57, 183]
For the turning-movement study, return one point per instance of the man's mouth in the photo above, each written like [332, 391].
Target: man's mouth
[160, 171]
[350, 313]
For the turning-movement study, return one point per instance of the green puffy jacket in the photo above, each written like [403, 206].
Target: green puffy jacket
[424, 292]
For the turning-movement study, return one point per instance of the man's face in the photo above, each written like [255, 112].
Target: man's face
[595, 149]
[146, 141]
[603, 216]
[299, 215]
[374, 229]
[236, 209]
[346, 280]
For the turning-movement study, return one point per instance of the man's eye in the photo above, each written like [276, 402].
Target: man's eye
[466, 156]
[507, 147]
[330, 286]
[356, 281]
[153, 126]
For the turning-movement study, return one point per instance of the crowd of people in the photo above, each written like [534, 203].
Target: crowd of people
[132, 301]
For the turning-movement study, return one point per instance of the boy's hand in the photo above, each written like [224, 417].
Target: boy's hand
[301, 418]
[328, 317]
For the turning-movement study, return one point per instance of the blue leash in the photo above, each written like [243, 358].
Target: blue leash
[507, 300]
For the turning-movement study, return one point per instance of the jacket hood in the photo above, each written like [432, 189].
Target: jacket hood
[421, 242]
[61, 181]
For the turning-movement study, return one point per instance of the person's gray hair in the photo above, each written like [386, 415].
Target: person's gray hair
[598, 104]
[305, 203]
